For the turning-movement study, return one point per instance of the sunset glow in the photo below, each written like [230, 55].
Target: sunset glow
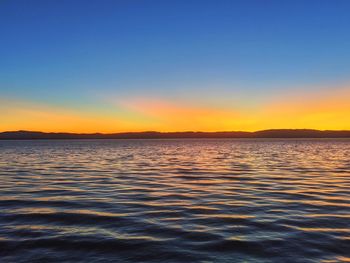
[324, 111]
[118, 67]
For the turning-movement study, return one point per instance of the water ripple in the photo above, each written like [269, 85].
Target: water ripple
[263, 200]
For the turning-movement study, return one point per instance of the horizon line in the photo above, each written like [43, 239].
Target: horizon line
[185, 131]
[272, 133]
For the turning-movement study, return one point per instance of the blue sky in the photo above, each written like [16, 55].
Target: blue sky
[75, 53]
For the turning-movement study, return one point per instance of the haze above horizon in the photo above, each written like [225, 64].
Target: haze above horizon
[130, 66]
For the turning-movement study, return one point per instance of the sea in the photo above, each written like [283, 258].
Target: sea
[175, 200]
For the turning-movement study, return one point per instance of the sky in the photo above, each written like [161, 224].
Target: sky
[180, 65]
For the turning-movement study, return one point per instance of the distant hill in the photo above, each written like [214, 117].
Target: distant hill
[274, 133]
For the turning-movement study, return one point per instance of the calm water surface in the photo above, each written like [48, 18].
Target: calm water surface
[175, 201]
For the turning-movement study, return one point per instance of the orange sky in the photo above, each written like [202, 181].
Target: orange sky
[321, 110]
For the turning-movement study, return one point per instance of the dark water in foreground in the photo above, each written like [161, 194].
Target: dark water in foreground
[175, 201]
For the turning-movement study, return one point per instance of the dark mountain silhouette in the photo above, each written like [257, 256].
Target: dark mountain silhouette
[274, 133]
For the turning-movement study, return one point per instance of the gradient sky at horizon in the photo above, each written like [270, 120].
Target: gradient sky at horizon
[135, 65]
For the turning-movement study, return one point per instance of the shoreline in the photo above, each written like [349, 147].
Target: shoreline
[273, 133]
